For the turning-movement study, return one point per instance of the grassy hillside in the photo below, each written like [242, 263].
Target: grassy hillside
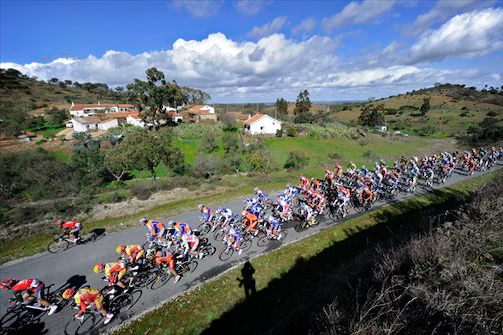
[34, 95]
[453, 109]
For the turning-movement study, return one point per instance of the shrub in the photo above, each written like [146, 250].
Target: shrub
[291, 132]
[141, 191]
[335, 156]
[279, 133]
[492, 113]
[206, 166]
[260, 161]
[464, 114]
[296, 160]
[209, 142]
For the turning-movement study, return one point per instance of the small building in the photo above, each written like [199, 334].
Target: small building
[174, 116]
[381, 128]
[89, 123]
[92, 109]
[202, 108]
[135, 120]
[262, 124]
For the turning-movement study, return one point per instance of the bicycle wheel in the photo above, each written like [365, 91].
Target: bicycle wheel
[301, 226]
[58, 245]
[122, 302]
[208, 251]
[262, 241]
[204, 228]
[226, 253]
[203, 241]
[219, 235]
[160, 280]
[246, 244]
[282, 235]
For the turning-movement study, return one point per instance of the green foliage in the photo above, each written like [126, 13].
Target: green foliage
[281, 106]
[291, 132]
[425, 107]
[231, 142]
[492, 113]
[327, 131]
[427, 130]
[209, 143]
[233, 161]
[207, 166]
[371, 116]
[279, 132]
[296, 160]
[486, 130]
[56, 117]
[228, 121]
[193, 130]
[302, 107]
[260, 161]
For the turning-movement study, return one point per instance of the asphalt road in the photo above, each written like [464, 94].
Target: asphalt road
[74, 266]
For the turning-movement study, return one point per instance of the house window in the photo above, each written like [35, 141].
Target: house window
[262, 128]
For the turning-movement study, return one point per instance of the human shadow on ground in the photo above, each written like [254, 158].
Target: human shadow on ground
[247, 282]
[287, 304]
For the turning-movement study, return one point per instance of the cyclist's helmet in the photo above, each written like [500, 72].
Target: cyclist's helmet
[98, 267]
[200, 206]
[8, 283]
[143, 220]
[59, 222]
[120, 248]
[170, 224]
[255, 189]
[69, 292]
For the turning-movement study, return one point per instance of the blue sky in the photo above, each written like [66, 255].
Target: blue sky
[257, 51]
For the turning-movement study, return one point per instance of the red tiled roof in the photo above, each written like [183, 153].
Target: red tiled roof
[125, 106]
[120, 114]
[253, 119]
[197, 106]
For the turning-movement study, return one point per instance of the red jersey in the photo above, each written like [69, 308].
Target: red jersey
[71, 224]
[27, 284]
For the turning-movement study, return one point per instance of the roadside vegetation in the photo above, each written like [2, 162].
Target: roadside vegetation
[304, 275]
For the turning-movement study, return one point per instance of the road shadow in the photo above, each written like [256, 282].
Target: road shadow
[287, 304]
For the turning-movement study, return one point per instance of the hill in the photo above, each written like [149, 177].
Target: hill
[453, 109]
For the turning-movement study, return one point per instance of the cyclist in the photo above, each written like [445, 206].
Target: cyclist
[155, 229]
[274, 226]
[165, 259]
[28, 290]
[85, 298]
[190, 244]
[250, 222]
[206, 214]
[226, 214]
[234, 238]
[261, 195]
[71, 228]
[114, 271]
[180, 228]
[133, 252]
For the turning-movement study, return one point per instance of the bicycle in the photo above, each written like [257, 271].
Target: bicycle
[228, 251]
[264, 239]
[62, 242]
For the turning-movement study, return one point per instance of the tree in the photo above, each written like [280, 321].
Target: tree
[231, 142]
[302, 107]
[56, 117]
[118, 162]
[195, 96]
[228, 121]
[68, 82]
[371, 117]
[296, 160]
[425, 107]
[154, 94]
[281, 106]
[209, 142]
[53, 80]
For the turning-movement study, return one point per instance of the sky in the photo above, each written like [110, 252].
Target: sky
[258, 51]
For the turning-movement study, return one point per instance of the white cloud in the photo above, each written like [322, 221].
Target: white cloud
[268, 28]
[250, 7]
[357, 12]
[470, 34]
[305, 26]
[200, 8]
[444, 9]
[263, 70]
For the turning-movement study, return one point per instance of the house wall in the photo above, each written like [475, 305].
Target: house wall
[135, 122]
[264, 126]
[108, 124]
[81, 127]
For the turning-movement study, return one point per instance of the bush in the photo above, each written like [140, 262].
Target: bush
[296, 160]
[464, 114]
[231, 142]
[291, 132]
[279, 133]
[196, 130]
[141, 191]
[260, 161]
[209, 142]
[335, 156]
[206, 166]
[492, 113]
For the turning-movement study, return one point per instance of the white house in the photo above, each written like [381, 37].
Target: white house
[88, 123]
[135, 120]
[382, 128]
[262, 124]
[202, 108]
[91, 109]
